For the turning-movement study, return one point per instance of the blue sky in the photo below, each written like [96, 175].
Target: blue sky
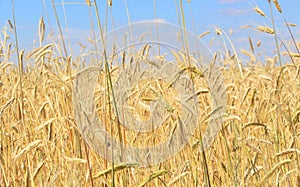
[200, 16]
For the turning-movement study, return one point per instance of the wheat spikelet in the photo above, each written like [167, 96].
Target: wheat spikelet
[152, 176]
[255, 124]
[41, 29]
[110, 3]
[10, 24]
[245, 26]
[266, 29]
[259, 11]
[251, 45]
[291, 24]
[42, 54]
[36, 52]
[218, 31]
[258, 43]
[266, 77]
[177, 178]
[6, 104]
[247, 53]
[203, 34]
[277, 5]
[30, 146]
[288, 151]
[88, 2]
[116, 168]
[75, 160]
[46, 123]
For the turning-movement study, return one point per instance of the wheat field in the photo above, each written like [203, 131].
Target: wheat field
[41, 144]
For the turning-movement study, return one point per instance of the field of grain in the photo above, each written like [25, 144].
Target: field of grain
[41, 144]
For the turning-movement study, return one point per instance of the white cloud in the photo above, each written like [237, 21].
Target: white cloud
[157, 20]
[234, 12]
[229, 1]
[160, 20]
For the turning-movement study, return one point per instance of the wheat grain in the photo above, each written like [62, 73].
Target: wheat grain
[245, 26]
[265, 29]
[277, 5]
[251, 45]
[30, 146]
[218, 31]
[152, 176]
[6, 104]
[88, 2]
[288, 151]
[177, 178]
[291, 24]
[116, 168]
[259, 11]
[258, 44]
[75, 160]
[203, 34]
[46, 123]
[41, 30]
[109, 3]
[255, 124]
[36, 52]
[252, 56]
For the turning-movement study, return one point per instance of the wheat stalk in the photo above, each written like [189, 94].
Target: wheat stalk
[268, 175]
